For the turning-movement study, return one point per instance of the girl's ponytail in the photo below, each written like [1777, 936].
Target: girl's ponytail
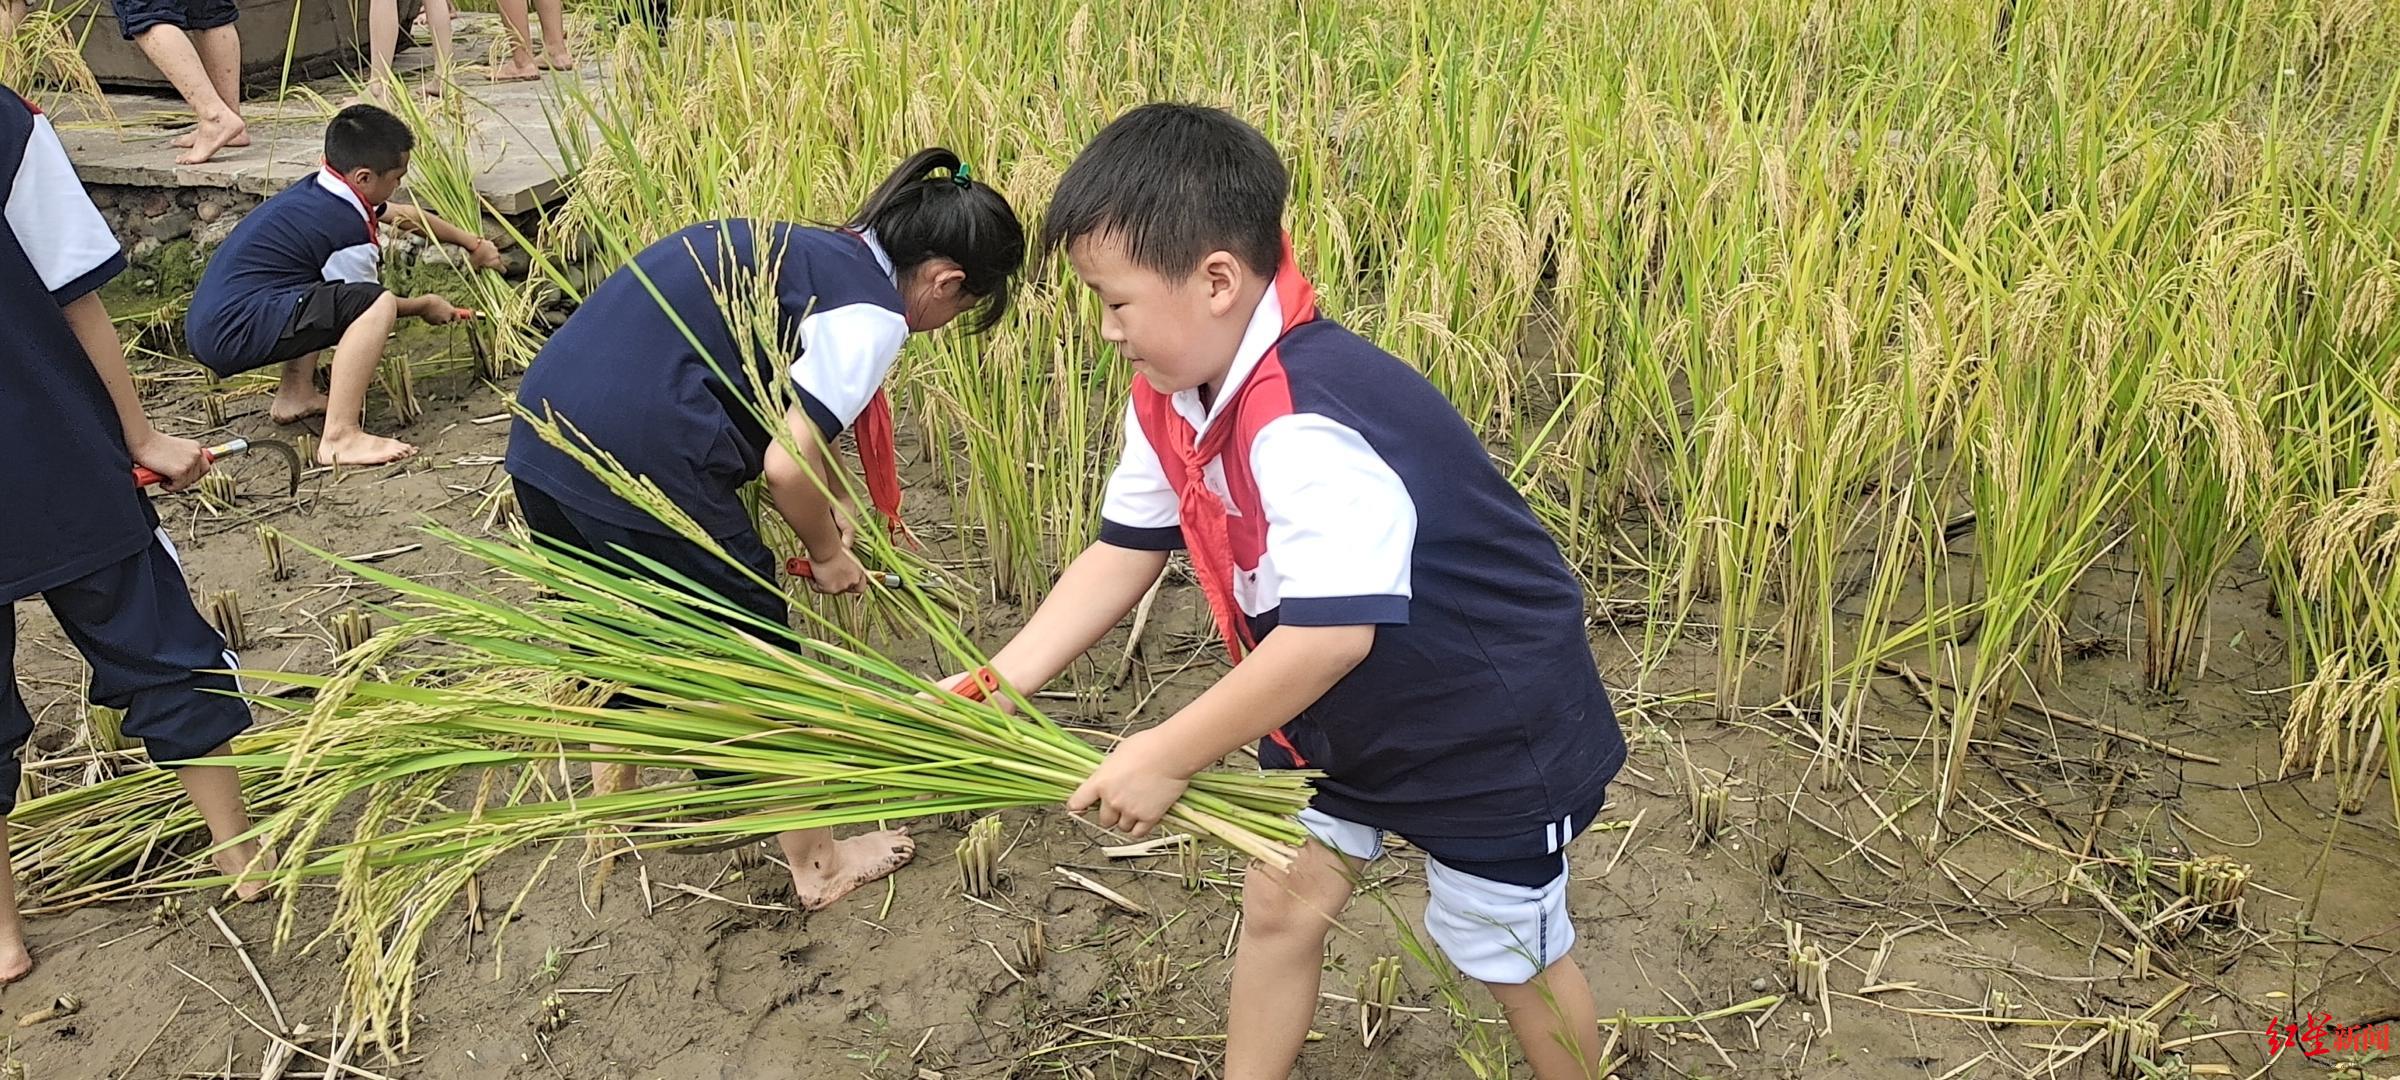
[932, 206]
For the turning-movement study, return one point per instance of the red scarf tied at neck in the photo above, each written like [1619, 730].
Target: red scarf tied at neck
[374, 222]
[1186, 455]
[876, 455]
[881, 461]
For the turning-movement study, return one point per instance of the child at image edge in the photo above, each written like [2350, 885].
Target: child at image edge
[79, 533]
[1410, 628]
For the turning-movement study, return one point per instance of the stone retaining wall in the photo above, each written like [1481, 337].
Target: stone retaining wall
[147, 219]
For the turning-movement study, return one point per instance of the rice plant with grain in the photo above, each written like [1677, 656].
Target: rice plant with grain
[1875, 365]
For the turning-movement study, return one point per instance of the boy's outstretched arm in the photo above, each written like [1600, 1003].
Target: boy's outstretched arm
[1093, 594]
[484, 254]
[178, 460]
[1140, 779]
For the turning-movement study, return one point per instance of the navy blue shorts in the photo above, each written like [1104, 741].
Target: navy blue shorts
[148, 646]
[136, 16]
[318, 322]
[546, 516]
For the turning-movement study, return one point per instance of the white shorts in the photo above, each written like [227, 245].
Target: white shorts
[1494, 931]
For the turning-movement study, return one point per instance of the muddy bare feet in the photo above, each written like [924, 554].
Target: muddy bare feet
[236, 860]
[291, 410]
[512, 70]
[360, 448]
[850, 864]
[212, 136]
[15, 962]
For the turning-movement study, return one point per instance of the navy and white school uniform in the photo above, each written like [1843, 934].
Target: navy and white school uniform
[625, 380]
[93, 551]
[1477, 726]
[289, 279]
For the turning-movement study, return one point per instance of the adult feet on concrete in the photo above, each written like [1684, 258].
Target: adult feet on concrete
[185, 140]
[215, 133]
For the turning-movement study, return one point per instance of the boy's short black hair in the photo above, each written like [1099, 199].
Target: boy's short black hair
[363, 136]
[1173, 183]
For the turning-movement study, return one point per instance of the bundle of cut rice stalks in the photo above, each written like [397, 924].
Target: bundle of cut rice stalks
[606, 667]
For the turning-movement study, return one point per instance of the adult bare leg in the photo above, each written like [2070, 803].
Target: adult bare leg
[383, 40]
[554, 35]
[173, 53]
[520, 65]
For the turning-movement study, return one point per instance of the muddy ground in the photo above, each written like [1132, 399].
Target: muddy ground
[695, 965]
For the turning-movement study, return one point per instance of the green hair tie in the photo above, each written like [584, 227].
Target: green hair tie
[963, 176]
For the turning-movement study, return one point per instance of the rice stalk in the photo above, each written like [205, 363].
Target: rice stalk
[815, 733]
[45, 55]
[106, 728]
[225, 614]
[270, 545]
[978, 857]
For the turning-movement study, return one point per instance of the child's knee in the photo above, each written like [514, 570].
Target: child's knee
[1298, 904]
[1495, 932]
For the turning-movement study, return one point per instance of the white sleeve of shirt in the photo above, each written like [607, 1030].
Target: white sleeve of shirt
[845, 354]
[53, 219]
[1139, 508]
[1341, 527]
[359, 263]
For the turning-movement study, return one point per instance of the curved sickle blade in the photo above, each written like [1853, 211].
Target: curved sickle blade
[291, 460]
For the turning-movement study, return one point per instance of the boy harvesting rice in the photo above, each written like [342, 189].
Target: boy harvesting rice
[79, 533]
[301, 274]
[1401, 620]
[684, 412]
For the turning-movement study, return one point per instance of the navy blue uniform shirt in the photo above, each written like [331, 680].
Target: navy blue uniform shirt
[1357, 495]
[626, 379]
[313, 231]
[66, 480]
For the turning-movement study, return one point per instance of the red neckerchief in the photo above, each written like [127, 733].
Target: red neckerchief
[374, 221]
[1186, 457]
[876, 455]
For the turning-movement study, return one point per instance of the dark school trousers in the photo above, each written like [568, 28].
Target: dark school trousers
[149, 649]
[546, 516]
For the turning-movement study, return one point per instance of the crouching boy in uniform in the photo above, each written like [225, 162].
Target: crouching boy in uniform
[302, 273]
